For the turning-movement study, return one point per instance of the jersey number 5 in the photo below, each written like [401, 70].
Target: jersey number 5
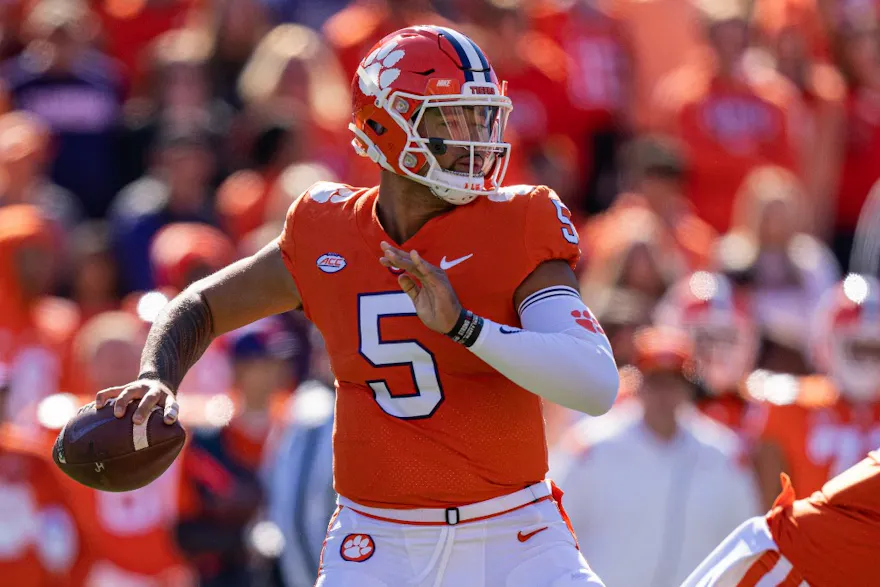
[568, 229]
[423, 401]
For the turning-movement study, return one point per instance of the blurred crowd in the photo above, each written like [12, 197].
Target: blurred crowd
[719, 157]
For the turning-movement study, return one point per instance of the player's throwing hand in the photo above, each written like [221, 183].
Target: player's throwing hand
[436, 303]
[150, 392]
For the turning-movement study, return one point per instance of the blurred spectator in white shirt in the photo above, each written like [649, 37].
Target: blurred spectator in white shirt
[770, 253]
[652, 486]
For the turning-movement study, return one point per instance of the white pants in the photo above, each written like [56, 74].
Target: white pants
[528, 547]
[728, 564]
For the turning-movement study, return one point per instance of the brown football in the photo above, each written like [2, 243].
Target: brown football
[113, 454]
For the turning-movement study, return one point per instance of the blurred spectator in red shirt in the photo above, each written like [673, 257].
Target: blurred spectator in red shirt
[129, 533]
[40, 540]
[632, 261]
[785, 270]
[662, 35]
[25, 152]
[129, 26]
[728, 122]
[35, 330]
[598, 87]
[860, 62]
[77, 91]
[176, 189]
[655, 174]
[106, 350]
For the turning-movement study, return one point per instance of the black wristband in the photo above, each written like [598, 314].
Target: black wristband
[467, 328]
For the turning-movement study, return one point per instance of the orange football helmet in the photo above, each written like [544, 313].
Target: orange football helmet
[720, 323]
[421, 91]
[846, 344]
[663, 349]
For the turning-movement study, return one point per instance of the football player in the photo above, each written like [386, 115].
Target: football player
[816, 427]
[725, 340]
[449, 309]
[827, 539]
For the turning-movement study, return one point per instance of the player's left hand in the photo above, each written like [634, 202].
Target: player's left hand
[427, 286]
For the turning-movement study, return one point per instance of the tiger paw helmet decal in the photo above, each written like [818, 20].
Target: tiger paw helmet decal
[379, 68]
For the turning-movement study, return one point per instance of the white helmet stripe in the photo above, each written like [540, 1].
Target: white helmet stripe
[473, 58]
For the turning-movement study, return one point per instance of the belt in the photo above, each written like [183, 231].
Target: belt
[456, 515]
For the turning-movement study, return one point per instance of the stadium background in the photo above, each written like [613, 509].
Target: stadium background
[146, 143]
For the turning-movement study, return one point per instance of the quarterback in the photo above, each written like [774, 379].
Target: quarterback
[449, 308]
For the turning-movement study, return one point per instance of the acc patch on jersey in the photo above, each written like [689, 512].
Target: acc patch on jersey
[331, 262]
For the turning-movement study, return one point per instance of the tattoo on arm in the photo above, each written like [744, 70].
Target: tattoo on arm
[177, 339]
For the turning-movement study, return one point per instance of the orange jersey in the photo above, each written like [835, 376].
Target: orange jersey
[831, 537]
[820, 433]
[130, 534]
[39, 544]
[826, 540]
[597, 76]
[421, 421]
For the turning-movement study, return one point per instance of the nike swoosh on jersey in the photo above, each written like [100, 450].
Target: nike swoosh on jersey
[444, 264]
[506, 330]
[523, 537]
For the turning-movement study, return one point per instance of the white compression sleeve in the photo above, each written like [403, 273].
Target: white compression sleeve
[560, 353]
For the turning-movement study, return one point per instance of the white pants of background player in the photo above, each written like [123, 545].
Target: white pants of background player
[733, 559]
[517, 540]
